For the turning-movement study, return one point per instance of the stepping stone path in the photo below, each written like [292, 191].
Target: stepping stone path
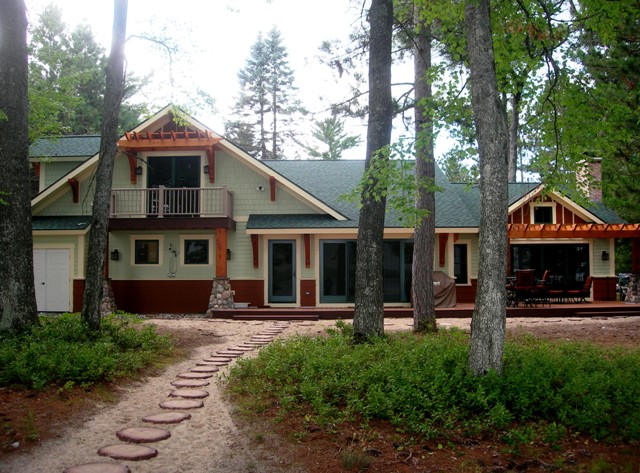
[189, 398]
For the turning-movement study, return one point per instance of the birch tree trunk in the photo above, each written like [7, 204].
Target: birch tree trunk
[488, 323]
[17, 295]
[368, 318]
[424, 314]
[108, 147]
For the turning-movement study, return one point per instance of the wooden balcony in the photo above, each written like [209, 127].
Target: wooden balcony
[168, 207]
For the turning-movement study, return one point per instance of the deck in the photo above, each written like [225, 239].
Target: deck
[588, 309]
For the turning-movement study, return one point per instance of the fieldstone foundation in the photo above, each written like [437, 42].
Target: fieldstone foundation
[108, 302]
[633, 290]
[221, 295]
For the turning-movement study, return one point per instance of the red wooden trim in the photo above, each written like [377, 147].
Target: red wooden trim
[132, 168]
[75, 189]
[36, 169]
[442, 248]
[254, 246]
[211, 162]
[307, 293]
[578, 230]
[272, 185]
[221, 252]
[307, 251]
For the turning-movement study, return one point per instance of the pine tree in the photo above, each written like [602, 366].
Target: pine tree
[267, 103]
[334, 140]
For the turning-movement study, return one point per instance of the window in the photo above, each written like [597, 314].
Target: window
[196, 251]
[543, 214]
[147, 251]
[460, 264]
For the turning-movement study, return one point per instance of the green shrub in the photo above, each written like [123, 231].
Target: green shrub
[422, 385]
[62, 349]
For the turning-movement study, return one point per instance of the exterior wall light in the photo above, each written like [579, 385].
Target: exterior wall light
[228, 254]
[205, 169]
[139, 171]
[115, 255]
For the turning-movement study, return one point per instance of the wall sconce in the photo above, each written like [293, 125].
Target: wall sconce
[605, 256]
[115, 255]
[205, 169]
[139, 171]
[228, 254]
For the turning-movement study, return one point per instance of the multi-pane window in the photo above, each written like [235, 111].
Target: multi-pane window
[147, 251]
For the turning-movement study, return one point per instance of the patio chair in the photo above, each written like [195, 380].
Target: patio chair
[542, 289]
[580, 295]
[525, 286]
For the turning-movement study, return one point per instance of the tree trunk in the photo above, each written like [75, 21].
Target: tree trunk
[17, 295]
[514, 123]
[108, 147]
[489, 317]
[424, 314]
[368, 318]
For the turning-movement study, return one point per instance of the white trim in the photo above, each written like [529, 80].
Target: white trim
[132, 250]
[533, 205]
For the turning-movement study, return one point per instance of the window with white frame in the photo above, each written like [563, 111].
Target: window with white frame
[543, 213]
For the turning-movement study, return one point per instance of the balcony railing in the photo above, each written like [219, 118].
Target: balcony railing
[163, 201]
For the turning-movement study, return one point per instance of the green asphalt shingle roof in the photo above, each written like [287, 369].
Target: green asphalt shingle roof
[73, 146]
[61, 223]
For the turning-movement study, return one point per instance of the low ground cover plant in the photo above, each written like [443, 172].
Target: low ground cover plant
[61, 350]
[421, 384]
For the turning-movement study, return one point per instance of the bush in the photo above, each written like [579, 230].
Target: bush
[422, 384]
[61, 349]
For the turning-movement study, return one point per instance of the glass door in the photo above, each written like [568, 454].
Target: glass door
[180, 177]
[282, 271]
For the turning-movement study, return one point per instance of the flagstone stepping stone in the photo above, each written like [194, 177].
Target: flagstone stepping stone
[235, 350]
[230, 354]
[262, 337]
[242, 348]
[204, 369]
[259, 343]
[189, 393]
[190, 383]
[192, 375]
[218, 358]
[128, 452]
[210, 363]
[182, 404]
[98, 467]
[167, 418]
[142, 434]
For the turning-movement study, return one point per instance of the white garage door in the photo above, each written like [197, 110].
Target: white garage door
[51, 278]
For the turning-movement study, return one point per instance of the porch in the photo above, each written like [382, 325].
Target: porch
[461, 310]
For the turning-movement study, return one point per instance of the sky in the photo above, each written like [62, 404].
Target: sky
[214, 38]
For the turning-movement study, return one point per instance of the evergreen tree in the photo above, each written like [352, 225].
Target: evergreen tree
[267, 104]
[67, 80]
[334, 140]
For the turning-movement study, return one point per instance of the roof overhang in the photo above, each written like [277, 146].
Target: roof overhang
[577, 209]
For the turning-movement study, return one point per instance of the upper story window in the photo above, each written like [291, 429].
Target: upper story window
[542, 213]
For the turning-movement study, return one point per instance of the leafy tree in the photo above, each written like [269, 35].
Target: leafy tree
[17, 294]
[488, 323]
[267, 100]
[330, 132]
[368, 317]
[67, 81]
[114, 92]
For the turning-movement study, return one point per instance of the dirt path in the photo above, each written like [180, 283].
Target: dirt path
[212, 441]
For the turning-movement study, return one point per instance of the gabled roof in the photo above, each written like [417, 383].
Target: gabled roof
[65, 146]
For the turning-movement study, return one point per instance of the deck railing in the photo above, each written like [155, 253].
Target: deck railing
[163, 201]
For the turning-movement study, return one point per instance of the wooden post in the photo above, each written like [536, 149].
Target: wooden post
[221, 252]
[635, 255]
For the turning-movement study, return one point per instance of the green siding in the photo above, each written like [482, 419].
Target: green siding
[241, 264]
[599, 267]
[55, 170]
[64, 205]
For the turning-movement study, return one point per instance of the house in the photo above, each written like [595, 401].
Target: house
[192, 214]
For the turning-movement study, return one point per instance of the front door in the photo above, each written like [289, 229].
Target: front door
[51, 278]
[282, 271]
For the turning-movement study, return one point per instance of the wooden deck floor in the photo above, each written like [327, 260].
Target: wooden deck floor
[588, 309]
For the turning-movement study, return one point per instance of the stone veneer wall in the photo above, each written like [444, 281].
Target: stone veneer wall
[221, 295]
[108, 303]
[633, 290]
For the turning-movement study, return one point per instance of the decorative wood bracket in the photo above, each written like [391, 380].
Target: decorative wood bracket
[36, 169]
[254, 246]
[211, 162]
[272, 185]
[132, 167]
[442, 248]
[307, 250]
[75, 189]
